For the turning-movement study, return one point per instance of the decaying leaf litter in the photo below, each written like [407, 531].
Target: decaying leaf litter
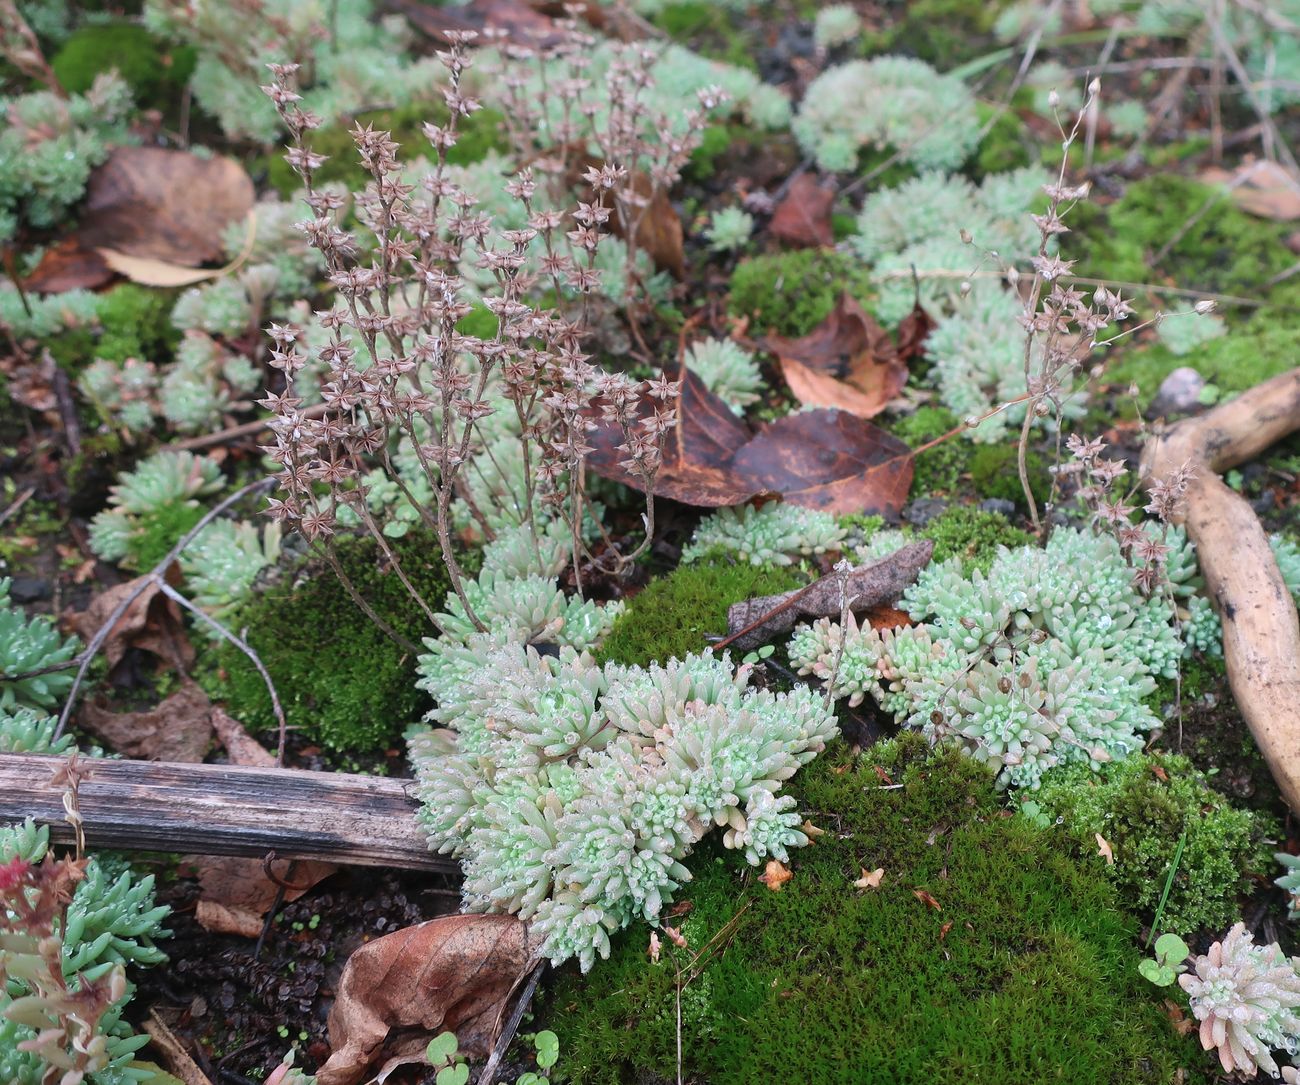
[821, 323]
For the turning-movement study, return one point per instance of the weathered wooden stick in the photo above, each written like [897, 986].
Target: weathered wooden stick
[1261, 633]
[752, 622]
[225, 810]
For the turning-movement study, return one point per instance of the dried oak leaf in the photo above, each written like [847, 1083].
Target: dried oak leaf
[832, 460]
[178, 729]
[1262, 188]
[235, 893]
[848, 362]
[803, 218]
[775, 875]
[453, 974]
[698, 452]
[870, 879]
[152, 623]
[150, 203]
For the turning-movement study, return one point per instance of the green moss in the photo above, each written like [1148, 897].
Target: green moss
[1026, 971]
[341, 680]
[1263, 347]
[939, 469]
[136, 323]
[996, 473]
[675, 613]
[969, 533]
[1008, 144]
[1141, 806]
[1223, 251]
[480, 133]
[160, 530]
[708, 29]
[791, 292]
[943, 33]
[1198, 676]
[155, 71]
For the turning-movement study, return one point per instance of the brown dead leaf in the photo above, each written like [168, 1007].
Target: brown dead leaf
[811, 831]
[32, 383]
[1260, 187]
[68, 265]
[830, 460]
[886, 617]
[927, 899]
[1104, 849]
[1160, 773]
[179, 729]
[153, 272]
[848, 362]
[235, 893]
[697, 454]
[775, 875]
[653, 950]
[151, 203]
[152, 623]
[882, 775]
[1179, 1020]
[912, 333]
[676, 937]
[870, 879]
[453, 974]
[803, 218]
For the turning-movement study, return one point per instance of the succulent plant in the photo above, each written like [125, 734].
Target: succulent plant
[1247, 999]
[729, 229]
[772, 534]
[29, 644]
[728, 370]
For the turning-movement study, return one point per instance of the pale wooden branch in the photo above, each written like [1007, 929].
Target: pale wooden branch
[1261, 633]
[225, 810]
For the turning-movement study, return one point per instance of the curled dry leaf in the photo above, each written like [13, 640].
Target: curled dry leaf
[1260, 187]
[154, 204]
[775, 875]
[870, 879]
[152, 623]
[235, 893]
[179, 729]
[830, 460]
[926, 898]
[803, 218]
[1104, 849]
[453, 974]
[698, 452]
[847, 362]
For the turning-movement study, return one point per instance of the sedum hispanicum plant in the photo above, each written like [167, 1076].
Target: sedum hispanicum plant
[69, 930]
[30, 645]
[1043, 661]
[431, 397]
[573, 792]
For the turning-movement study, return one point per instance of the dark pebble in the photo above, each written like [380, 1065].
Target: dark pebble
[922, 511]
[29, 589]
[999, 504]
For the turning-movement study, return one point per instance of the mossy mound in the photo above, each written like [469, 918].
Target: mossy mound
[342, 681]
[478, 134]
[985, 955]
[1142, 806]
[1263, 347]
[1213, 246]
[995, 470]
[672, 617]
[790, 293]
[938, 469]
[155, 71]
[973, 536]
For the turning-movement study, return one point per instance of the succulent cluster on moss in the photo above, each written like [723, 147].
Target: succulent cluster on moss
[367, 694]
[1022, 962]
[223, 563]
[836, 25]
[1142, 807]
[728, 370]
[28, 644]
[729, 229]
[111, 923]
[25, 730]
[892, 102]
[572, 792]
[1044, 660]
[49, 145]
[912, 236]
[152, 506]
[771, 534]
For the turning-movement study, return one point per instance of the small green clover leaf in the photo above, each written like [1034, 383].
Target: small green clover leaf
[453, 1075]
[548, 1049]
[762, 653]
[1171, 952]
[529, 1078]
[442, 1050]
